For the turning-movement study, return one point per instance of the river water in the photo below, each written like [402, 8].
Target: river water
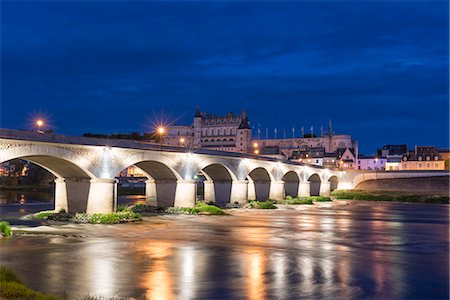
[347, 250]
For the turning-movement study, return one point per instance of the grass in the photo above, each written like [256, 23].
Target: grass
[296, 201]
[261, 204]
[5, 229]
[12, 288]
[289, 200]
[43, 215]
[109, 218]
[201, 208]
[389, 196]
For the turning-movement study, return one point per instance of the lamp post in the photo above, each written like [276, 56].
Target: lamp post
[161, 131]
[39, 123]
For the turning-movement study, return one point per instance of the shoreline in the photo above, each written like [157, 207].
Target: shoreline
[78, 230]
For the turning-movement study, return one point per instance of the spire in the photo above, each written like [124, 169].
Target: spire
[197, 113]
[330, 127]
[245, 124]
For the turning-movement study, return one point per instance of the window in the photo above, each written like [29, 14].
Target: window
[428, 165]
[317, 161]
[428, 158]
[420, 165]
[436, 165]
[420, 157]
[436, 158]
[404, 166]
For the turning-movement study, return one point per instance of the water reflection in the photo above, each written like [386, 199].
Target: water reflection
[157, 280]
[254, 263]
[359, 253]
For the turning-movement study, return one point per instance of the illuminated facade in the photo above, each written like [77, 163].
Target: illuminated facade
[231, 133]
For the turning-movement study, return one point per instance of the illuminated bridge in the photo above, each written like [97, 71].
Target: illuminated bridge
[85, 170]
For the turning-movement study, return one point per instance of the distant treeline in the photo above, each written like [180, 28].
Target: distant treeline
[135, 136]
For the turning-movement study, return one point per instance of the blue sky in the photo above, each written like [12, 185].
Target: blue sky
[378, 69]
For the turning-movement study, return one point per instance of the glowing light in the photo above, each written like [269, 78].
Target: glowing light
[161, 130]
[182, 140]
[39, 123]
[256, 151]
[255, 145]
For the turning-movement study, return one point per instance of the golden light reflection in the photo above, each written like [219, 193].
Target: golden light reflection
[158, 281]
[255, 268]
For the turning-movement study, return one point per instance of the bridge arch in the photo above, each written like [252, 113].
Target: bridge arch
[57, 160]
[217, 187]
[315, 182]
[72, 183]
[334, 182]
[259, 184]
[161, 186]
[291, 183]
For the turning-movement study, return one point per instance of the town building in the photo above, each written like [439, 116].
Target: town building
[310, 149]
[372, 163]
[422, 158]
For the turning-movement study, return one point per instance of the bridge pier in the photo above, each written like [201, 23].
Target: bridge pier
[251, 195]
[102, 196]
[277, 190]
[325, 190]
[61, 202]
[239, 191]
[304, 189]
[150, 192]
[185, 193]
[209, 192]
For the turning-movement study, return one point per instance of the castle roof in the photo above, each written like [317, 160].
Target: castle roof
[244, 124]
[198, 113]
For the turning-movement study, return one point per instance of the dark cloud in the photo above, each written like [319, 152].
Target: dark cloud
[379, 69]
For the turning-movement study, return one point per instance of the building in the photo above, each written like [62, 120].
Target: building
[346, 158]
[271, 151]
[390, 150]
[424, 158]
[310, 149]
[312, 155]
[231, 133]
[372, 163]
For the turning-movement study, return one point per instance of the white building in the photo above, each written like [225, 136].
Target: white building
[372, 163]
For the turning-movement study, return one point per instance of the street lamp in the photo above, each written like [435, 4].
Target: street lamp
[255, 145]
[256, 151]
[39, 123]
[161, 131]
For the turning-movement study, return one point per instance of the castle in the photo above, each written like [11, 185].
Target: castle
[231, 133]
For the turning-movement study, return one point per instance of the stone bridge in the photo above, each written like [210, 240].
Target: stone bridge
[85, 170]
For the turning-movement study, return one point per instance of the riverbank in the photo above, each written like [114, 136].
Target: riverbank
[27, 188]
[426, 197]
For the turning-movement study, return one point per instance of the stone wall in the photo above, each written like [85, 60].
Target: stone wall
[436, 184]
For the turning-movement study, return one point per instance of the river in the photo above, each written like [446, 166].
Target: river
[348, 250]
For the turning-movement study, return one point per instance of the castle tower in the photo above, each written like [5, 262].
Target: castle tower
[197, 128]
[244, 135]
